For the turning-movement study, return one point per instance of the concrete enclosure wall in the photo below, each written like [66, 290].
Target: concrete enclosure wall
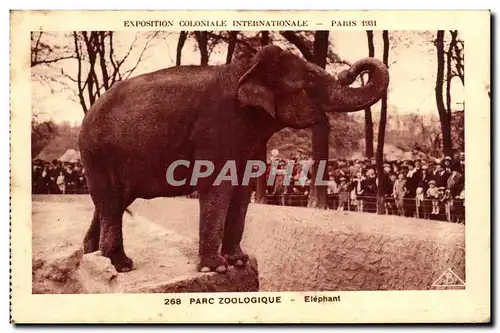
[309, 249]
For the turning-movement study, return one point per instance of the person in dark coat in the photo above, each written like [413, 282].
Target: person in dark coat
[424, 178]
[461, 158]
[370, 183]
[387, 187]
[455, 181]
[412, 179]
[447, 164]
[440, 175]
[369, 186]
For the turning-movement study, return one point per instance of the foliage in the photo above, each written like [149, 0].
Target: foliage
[42, 133]
[343, 139]
[63, 137]
[46, 52]
[458, 130]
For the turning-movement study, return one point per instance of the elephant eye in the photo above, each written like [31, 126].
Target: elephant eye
[311, 74]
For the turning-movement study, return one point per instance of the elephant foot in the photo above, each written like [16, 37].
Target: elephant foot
[122, 263]
[236, 258]
[213, 264]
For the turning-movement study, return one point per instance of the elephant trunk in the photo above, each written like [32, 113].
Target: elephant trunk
[344, 98]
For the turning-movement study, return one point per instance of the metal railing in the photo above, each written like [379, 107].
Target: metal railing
[443, 210]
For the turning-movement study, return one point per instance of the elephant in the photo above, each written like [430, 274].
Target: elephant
[143, 124]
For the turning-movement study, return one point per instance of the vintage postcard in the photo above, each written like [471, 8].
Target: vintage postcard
[250, 166]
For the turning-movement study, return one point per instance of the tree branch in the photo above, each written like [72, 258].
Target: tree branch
[231, 46]
[299, 43]
[50, 61]
[79, 74]
[180, 45]
[202, 37]
[130, 71]
[238, 41]
[102, 60]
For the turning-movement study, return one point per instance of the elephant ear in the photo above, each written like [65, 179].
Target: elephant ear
[255, 86]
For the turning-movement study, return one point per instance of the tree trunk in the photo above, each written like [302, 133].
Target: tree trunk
[368, 110]
[261, 182]
[264, 38]
[201, 37]
[381, 136]
[443, 114]
[180, 45]
[231, 45]
[458, 54]
[321, 131]
[296, 40]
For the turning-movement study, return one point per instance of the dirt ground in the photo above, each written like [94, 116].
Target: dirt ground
[296, 248]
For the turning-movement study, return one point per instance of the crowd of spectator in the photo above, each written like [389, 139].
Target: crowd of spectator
[57, 177]
[419, 186]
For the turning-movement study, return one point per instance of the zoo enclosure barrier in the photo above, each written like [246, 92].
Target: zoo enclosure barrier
[448, 210]
[443, 210]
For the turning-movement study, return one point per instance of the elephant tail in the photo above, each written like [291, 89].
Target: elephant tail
[129, 212]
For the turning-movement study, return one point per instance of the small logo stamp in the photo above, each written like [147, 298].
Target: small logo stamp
[449, 279]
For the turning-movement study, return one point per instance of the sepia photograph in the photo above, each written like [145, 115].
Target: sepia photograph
[241, 161]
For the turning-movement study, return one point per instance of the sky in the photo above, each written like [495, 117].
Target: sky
[412, 65]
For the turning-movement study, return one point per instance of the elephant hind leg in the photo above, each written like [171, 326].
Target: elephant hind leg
[91, 240]
[111, 236]
[110, 201]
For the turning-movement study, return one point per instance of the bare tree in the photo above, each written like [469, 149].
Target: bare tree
[180, 45]
[264, 38]
[320, 131]
[444, 114]
[231, 45]
[45, 53]
[316, 53]
[202, 39]
[381, 135]
[98, 65]
[456, 48]
[368, 110]
[300, 43]
[260, 182]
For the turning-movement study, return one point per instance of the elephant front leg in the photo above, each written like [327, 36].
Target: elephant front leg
[214, 205]
[234, 226]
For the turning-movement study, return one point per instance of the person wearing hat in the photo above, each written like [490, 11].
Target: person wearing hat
[343, 194]
[362, 166]
[399, 193]
[388, 186]
[424, 178]
[341, 170]
[369, 186]
[396, 168]
[357, 185]
[455, 181]
[354, 167]
[461, 158]
[412, 179]
[440, 175]
[433, 194]
[457, 192]
[447, 164]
